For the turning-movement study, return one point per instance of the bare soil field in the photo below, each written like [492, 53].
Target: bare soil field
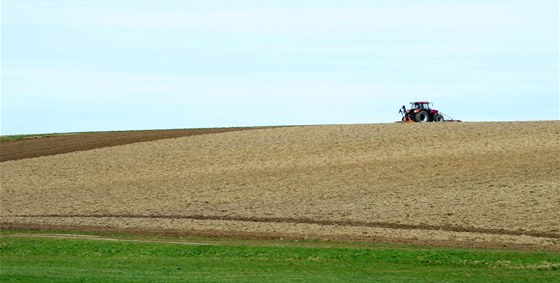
[64, 143]
[458, 184]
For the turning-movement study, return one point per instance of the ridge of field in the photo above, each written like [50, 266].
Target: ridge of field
[471, 184]
[29, 146]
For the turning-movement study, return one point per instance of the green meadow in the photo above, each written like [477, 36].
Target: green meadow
[62, 257]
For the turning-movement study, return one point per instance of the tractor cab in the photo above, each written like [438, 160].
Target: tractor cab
[423, 105]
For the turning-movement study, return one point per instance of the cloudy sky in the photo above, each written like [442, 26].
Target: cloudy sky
[93, 65]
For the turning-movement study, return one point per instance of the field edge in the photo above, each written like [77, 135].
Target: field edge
[271, 236]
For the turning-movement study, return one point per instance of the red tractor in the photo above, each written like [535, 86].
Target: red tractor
[421, 112]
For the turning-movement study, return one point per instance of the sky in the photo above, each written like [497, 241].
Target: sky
[99, 65]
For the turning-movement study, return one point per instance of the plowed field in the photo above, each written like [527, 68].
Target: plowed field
[57, 144]
[466, 184]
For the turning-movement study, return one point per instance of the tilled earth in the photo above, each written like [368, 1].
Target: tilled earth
[64, 143]
[464, 184]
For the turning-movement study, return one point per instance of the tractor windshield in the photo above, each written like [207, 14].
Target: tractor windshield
[419, 106]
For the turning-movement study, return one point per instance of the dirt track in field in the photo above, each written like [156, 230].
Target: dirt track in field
[465, 184]
[57, 144]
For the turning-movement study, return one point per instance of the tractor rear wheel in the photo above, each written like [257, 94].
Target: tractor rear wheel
[422, 117]
[438, 118]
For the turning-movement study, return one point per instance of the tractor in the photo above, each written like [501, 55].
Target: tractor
[420, 111]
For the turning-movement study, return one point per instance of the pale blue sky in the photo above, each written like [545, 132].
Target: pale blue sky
[116, 65]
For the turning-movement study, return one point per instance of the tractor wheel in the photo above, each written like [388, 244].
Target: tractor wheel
[438, 118]
[422, 117]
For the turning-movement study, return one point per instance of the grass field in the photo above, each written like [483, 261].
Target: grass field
[62, 257]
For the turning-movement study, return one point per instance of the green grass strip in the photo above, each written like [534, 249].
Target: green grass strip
[21, 137]
[29, 259]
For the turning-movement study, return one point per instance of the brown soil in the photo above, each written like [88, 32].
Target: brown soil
[57, 144]
[251, 235]
[466, 184]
